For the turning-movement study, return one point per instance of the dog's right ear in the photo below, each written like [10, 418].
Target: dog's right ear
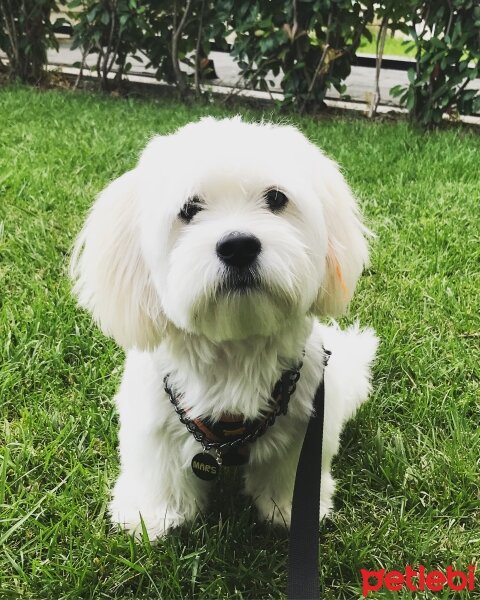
[111, 279]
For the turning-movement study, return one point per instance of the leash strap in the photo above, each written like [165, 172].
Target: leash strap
[302, 572]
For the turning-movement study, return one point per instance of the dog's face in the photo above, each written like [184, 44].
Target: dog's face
[225, 229]
[231, 228]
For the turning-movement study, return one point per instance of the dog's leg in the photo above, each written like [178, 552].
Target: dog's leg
[155, 487]
[270, 483]
[156, 484]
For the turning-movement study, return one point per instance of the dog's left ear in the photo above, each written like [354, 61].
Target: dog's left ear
[347, 253]
[111, 278]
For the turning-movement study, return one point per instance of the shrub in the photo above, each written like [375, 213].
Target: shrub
[312, 44]
[181, 34]
[26, 33]
[112, 28]
[168, 33]
[446, 34]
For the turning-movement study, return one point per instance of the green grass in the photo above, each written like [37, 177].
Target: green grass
[408, 469]
[394, 46]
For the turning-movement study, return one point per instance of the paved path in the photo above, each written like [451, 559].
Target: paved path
[360, 83]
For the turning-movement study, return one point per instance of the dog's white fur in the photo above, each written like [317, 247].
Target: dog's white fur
[154, 283]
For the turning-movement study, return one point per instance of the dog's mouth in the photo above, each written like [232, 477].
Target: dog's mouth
[240, 280]
[242, 304]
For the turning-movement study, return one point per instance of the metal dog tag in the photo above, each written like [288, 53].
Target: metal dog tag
[205, 466]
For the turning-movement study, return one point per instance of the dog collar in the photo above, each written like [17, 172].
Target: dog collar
[229, 436]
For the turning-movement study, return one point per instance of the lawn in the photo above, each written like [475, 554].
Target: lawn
[394, 46]
[408, 471]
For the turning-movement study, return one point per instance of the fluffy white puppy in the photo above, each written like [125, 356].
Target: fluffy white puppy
[208, 262]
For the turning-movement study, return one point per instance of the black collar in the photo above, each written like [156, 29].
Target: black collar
[229, 436]
[233, 432]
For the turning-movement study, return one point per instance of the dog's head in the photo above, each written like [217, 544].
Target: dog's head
[226, 229]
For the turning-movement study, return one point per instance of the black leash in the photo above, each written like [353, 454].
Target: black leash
[302, 572]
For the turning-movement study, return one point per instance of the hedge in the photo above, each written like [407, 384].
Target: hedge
[26, 31]
[310, 45]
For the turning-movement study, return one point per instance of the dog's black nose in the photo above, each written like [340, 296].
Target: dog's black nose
[238, 249]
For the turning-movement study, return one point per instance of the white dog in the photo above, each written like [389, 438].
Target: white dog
[208, 262]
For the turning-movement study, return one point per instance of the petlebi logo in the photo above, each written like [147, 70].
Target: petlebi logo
[418, 580]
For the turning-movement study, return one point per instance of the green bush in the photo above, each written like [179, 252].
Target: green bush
[312, 44]
[181, 32]
[309, 45]
[26, 32]
[446, 34]
[112, 28]
[167, 32]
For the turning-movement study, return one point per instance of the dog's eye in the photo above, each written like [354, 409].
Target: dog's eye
[275, 199]
[190, 209]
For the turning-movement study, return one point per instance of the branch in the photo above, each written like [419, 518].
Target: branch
[11, 33]
[382, 34]
[197, 51]
[320, 62]
[85, 52]
[105, 65]
[116, 52]
[450, 18]
[175, 40]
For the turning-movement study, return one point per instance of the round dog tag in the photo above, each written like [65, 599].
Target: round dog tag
[205, 466]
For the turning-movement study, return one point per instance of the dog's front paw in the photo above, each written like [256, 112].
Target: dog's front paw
[134, 503]
[275, 513]
[280, 514]
[157, 522]
[154, 505]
